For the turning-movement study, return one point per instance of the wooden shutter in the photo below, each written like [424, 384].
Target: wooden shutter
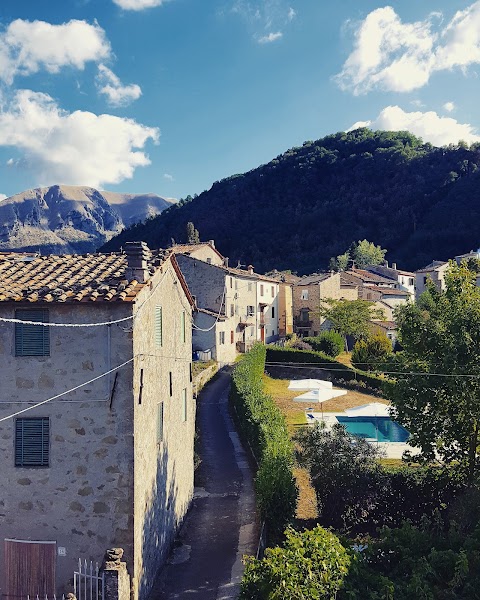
[184, 404]
[32, 443]
[159, 422]
[184, 328]
[32, 340]
[158, 326]
[29, 569]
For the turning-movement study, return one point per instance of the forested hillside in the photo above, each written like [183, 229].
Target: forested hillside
[308, 204]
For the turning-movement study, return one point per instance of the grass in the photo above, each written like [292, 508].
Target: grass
[198, 366]
[295, 417]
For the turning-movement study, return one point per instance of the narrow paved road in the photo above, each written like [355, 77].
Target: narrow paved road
[220, 527]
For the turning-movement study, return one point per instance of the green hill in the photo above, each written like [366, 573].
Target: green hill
[308, 204]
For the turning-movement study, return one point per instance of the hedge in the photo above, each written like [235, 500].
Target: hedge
[263, 426]
[328, 342]
[335, 369]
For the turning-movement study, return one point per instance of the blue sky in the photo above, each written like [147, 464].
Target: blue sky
[170, 96]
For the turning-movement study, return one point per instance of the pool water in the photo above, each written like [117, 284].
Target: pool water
[382, 429]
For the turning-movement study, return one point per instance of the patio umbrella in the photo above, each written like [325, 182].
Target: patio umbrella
[309, 384]
[374, 409]
[320, 396]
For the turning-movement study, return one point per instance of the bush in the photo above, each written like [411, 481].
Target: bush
[311, 564]
[263, 426]
[329, 342]
[370, 353]
[300, 344]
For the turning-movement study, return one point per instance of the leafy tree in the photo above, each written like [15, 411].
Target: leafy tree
[311, 564]
[345, 475]
[366, 253]
[350, 317]
[193, 236]
[372, 351]
[438, 397]
[340, 263]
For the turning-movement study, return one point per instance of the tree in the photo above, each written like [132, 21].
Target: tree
[350, 317]
[311, 564]
[365, 253]
[340, 263]
[193, 236]
[372, 351]
[438, 397]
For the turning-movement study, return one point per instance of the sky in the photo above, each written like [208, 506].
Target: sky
[169, 96]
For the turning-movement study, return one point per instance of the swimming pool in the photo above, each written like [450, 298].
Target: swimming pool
[381, 429]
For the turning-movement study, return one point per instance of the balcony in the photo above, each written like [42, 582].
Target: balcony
[303, 324]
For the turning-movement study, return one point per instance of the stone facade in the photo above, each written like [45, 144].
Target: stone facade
[435, 272]
[108, 482]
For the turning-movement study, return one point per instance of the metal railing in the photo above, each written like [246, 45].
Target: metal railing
[88, 581]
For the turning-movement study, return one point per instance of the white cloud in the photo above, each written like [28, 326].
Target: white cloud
[26, 47]
[117, 94]
[395, 56]
[138, 4]
[78, 148]
[271, 37]
[291, 14]
[449, 106]
[168, 177]
[432, 128]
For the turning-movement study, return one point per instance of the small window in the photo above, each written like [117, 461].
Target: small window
[249, 286]
[159, 422]
[171, 383]
[273, 312]
[183, 327]
[304, 295]
[410, 281]
[273, 291]
[231, 282]
[209, 261]
[304, 315]
[158, 327]
[32, 442]
[261, 290]
[232, 337]
[232, 310]
[236, 284]
[184, 404]
[221, 337]
[250, 311]
[424, 281]
[32, 340]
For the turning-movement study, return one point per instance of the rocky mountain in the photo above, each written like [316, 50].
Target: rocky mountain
[310, 203]
[64, 219]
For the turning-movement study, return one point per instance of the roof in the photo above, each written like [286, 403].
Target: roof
[388, 291]
[388, 272]
[189, 248]
[433, 266]
[385, 324]
[71, 278]
[315, 278]
[367, 276]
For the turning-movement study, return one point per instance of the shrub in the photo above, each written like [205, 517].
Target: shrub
[371, 352]
[311, 564]
[300, 345]
[329, 342]
[263, 426]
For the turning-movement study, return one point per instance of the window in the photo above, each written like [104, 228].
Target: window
[273, 312]
[273, 291]
[183, 327]
[232, 337]
[158, 327]
[249, 286]
[304, 314]
[231, 282]
[184, 404]
[221, 337]
[232, 310]
[171, 383]
[209, 261]
[32, 340]
[304, 295]
[250, 311]
[32, 442]
[236, 284]
[410, 281]
[424, 281]
[261, 290]
[159, 422]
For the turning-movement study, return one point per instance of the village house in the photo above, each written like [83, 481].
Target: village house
[308, 293]
[404, 279]
[235, 307]
[286, 282]
[435, 271]
[97, 422]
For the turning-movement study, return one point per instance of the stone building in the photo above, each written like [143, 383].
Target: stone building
[308, 294]
[103, 454]
[435, 272]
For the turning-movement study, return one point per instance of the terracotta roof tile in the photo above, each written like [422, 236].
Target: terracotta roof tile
[26, 277]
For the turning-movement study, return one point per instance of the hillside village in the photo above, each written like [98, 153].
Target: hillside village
[98, 401]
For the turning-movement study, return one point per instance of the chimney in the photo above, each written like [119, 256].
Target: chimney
[394, 266]
[225, 261]
[138, 254]
[212, 243]
[250, 269]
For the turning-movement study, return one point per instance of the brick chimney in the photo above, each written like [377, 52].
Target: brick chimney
[138, 254]
[250, 269]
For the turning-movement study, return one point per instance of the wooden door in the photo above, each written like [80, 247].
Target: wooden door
[29, 569]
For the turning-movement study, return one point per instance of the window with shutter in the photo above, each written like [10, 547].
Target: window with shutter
[32, 442]
[184, 404]
[183, 327]
[159, 422]
[158, 327]
[32, 340]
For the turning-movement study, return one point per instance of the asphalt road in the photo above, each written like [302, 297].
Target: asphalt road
[220, 527]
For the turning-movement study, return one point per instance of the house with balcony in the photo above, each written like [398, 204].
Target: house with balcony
[97, 416]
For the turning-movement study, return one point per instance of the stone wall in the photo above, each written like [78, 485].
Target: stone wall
[84, 499]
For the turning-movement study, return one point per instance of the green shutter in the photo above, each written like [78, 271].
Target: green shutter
[32, 442]
[159, 422]
[184, 328]
[158, 327]
[32, 340]
[184, 404]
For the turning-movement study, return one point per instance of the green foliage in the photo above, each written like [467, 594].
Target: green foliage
[362, 253]
[329, 342]
[380, 185]
[350, 317]
[193, 237]
[440, 334]
[310, 565]
[340, 263]
[371, 352]
[263, 426]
